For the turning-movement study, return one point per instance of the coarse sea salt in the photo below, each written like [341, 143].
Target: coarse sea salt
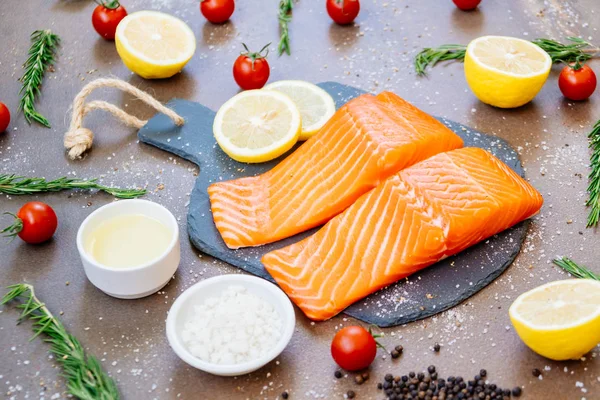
[232, 328]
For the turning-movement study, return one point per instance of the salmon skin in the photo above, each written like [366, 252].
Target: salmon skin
[367, 140]
[427, 212]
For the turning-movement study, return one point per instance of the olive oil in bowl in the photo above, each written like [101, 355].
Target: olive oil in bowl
[128, 241]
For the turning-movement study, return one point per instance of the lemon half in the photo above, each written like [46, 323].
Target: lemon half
[559, 320]
[316, 106]
[504, 71]
[154, 44]
[257, 125]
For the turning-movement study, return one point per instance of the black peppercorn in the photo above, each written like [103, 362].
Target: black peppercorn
[285, 395]
[388, 377]
[516, 391]
[536, 372]
[399, 349]
[411, 374]
[395, 354]
[437, 347]
[431, 369]
[365, 376]
[351, 394]
[338, 374]
[420, 376]
[379, 386]
[483, 372]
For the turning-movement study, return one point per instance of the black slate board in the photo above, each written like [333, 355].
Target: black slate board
[423, 294]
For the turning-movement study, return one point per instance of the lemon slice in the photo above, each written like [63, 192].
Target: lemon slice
[316, 105]
[153, 44]
[257, 125]
[505, 72]
[559, 320]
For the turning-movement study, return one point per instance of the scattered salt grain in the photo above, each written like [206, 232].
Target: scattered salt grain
[232, 328]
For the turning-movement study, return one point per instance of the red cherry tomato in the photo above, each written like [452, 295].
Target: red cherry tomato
[466, 5]
[251, 70]
[577, 84]
[34, 223]
[217, 11]
[4, 117]
[353, 348]
[106, 17]
[343, 12]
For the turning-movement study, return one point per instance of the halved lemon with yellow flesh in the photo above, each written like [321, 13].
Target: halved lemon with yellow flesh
[505, 72]
[559, 320]
[257, 125]
[315, 104]
[154, 44]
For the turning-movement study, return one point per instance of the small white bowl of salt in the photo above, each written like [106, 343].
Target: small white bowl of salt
[230, 325]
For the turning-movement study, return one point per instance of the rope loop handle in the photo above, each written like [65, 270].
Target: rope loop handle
[79, 139]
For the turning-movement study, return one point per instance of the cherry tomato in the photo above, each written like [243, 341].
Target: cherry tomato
[466, 5]
[106, 17]
[4, 117]
[251, 70]
[353, 348]
[577, 84]
[34, 223]
[343, 12]
[217, 11]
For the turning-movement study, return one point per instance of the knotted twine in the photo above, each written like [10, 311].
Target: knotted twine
[79, 139]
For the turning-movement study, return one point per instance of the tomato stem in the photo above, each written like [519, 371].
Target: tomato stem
[256, 55]
[110, 4]
[376, 336]
[13, 230]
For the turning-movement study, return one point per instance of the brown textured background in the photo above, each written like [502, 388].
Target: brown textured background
[375, 54]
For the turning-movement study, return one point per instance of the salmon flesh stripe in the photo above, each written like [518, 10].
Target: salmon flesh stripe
[367, 140]
[427, 212]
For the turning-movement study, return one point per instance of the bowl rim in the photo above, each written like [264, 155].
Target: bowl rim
[119, 203]
[231, 369]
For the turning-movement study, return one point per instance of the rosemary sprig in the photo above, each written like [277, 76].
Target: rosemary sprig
[594, 177]
[284, 15]
[85, 378]
[576, 50]
[19, 185]
[431, 56]
[41, 56]
[578, 271]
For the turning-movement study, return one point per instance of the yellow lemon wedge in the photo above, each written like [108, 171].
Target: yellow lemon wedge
[154, 45]
[559, 320]
[316, 106]
[257, 125]
[505, 72]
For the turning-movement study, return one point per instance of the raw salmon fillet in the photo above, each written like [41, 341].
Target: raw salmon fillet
[366, 141]
[417, 217]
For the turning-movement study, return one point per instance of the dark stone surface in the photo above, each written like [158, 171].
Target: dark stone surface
[426, 293]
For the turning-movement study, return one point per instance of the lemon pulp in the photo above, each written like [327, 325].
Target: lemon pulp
[505, 72]
[316, 106]
[257, 126]
[154, 44]
[559, 320]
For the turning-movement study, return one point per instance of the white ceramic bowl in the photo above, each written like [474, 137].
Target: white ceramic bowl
[182, 309]
[136, 282]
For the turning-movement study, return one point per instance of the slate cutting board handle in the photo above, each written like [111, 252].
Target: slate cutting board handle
[193, 141]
